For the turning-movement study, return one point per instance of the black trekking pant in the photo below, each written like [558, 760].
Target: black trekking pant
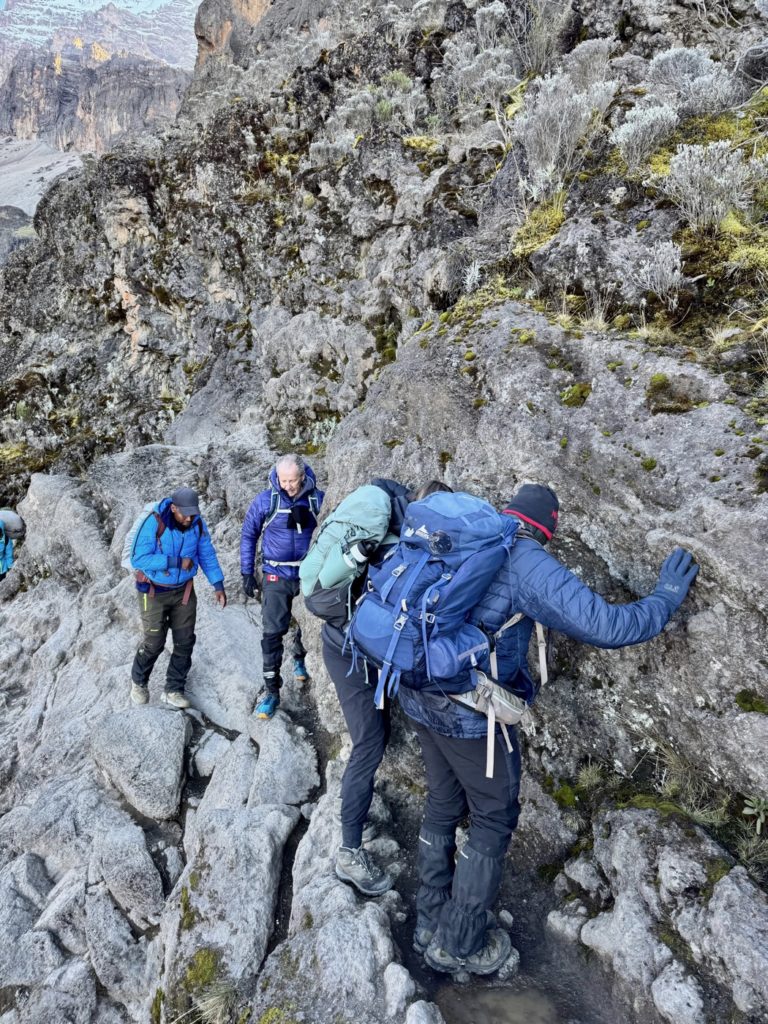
[160, 613]
[369, 731]
[276, 604]
[456, 900]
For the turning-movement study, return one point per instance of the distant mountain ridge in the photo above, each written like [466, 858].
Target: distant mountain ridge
[161, 30]
[78, 75]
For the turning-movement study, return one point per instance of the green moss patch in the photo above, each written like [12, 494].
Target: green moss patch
[663, 396]
[156, 1009]
[542, 223]
[748, 700]
[202, 971]
[576, 395]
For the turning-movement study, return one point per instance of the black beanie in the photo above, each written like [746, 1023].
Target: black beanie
[536, 505]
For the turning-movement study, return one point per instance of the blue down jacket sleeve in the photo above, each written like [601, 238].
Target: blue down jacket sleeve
[538, 585]
[249, 538]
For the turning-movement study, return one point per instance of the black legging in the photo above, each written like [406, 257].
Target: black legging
[455, 897]
[369, 730]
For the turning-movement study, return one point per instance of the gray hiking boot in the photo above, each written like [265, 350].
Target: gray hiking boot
[359, 868]
[486, 961]
[421, 939]
[139, 694]
[370, 832]
[175, 699]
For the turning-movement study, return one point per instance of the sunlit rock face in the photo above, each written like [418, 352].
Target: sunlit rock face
[159, 30]
[85, 104]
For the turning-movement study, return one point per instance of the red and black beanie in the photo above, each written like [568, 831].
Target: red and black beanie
[536, 505]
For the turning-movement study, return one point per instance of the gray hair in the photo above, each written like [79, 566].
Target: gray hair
[293, 461]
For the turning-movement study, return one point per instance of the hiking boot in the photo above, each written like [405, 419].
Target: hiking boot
[268, 705]
[421, 939]
[359, 868]
[486, 961]
[175, 698]
[300, 673]
[370, 830]
[139, 694]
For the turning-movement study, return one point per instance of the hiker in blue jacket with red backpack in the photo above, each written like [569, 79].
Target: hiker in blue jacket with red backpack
[471, 766]
[170, 543]
[284, 516]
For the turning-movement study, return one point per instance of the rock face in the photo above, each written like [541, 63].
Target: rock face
[665, 889]
[159, 31]
[124, 746]
[357, 242]
[80, 103]
[15, 230]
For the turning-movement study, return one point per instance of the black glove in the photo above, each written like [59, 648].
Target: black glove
[677, 574]
[250, 586]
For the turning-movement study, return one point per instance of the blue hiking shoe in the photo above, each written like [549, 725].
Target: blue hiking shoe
[300, 673]
[268, 705]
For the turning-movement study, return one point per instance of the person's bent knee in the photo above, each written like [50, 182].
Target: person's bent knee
[491, 840]
[184, 639]
[151, 647]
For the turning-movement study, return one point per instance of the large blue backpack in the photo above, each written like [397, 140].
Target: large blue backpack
[411, 621]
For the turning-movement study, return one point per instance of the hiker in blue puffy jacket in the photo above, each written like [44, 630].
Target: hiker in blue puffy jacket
[284, 516]
[172, 543]
[12, 528]
[453, 928]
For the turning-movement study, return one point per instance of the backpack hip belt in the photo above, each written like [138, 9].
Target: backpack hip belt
[281, 563]
[499, 706]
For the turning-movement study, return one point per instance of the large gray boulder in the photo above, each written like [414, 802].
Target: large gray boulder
[141, 750]
[223, 905]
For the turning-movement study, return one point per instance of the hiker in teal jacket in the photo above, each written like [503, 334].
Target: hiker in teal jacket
[355, 683]
[171, 545]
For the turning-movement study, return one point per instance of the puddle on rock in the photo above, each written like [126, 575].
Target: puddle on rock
[496, 1006]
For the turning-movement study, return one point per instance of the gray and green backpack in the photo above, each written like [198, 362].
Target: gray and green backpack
[336, 560]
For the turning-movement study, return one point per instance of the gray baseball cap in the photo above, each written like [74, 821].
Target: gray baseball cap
[186, 501]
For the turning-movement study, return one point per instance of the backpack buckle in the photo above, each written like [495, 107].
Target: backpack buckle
[430, 617]
[400, 622]
[399, 570]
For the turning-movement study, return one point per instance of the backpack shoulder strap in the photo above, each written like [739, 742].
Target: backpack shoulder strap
[160, 525]
[541, 642]
[274, 505]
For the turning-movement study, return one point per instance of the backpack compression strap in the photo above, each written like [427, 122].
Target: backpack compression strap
[386, 668]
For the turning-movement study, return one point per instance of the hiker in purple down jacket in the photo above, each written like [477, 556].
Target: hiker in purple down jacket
[284, 516]
[454, 927]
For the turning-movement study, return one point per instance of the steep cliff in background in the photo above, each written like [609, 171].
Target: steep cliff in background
[456, 240]
[153, 29]
[74, 102]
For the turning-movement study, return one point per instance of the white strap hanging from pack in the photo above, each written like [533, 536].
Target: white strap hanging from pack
[541, 642]
[526, 721]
